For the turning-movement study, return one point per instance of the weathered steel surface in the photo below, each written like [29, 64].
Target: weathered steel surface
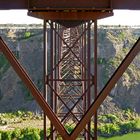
[26, 4]
[69, 4]
[13, 4]
[44, 74]
[95, 76]
[70, 15]
[126, 4]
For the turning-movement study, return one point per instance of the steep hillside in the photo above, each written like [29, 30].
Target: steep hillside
[27, 45]
[113, 44]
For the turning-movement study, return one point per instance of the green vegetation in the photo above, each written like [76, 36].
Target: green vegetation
[118, 124]
[119, 57]
[69, 128]
[22, 134]
[131, 136]
[27, 34]
[109, 125]
[17, 117]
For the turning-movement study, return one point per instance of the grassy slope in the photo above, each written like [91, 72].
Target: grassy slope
[134, 136]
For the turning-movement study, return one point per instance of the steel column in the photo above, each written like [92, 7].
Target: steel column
[44, 73]
[95, 76]
[88, 74]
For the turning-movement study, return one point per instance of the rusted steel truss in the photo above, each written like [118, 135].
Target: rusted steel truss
[70, 80]
[70, 85]
[93, 107]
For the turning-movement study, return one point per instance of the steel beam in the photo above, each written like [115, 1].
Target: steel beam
[44, 73]
[126, 4]
[13, 4]
[52, 15]
[47, 4]
[95, 76]
[69, 4]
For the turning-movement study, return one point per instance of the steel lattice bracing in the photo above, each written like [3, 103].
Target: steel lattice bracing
[70, 79]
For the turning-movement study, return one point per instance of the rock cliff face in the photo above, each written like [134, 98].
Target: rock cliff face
[113, 45]
[26, 42]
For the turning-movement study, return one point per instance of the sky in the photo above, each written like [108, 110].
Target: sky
[121, 17]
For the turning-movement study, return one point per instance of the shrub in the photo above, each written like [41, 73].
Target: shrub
[6, 135]
[21, 134]
[137, 124]
[27, 34]
[31, 133]
[0, 135]
[69, 128]
[108, 118]
[42, 134]
[108, 130]
[16, 133]
[127, 127]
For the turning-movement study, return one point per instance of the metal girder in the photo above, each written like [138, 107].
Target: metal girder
[70, 15]
[69, 4]
[96, 4]
[13, 4]
[126, 4]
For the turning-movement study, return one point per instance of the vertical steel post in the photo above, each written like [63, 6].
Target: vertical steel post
[84, 69]
[52, 73]
[44, 72]
[88, 75]
[95, 76]
[55, 62]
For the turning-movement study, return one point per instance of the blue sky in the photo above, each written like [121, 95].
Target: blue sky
[120, 17]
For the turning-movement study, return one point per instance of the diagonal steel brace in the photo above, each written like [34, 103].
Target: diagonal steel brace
[106, 90]
[33, 89]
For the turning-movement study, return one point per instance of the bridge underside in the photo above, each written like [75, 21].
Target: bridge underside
[70, 99]
[74, 4]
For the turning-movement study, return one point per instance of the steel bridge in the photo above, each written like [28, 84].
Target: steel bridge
[70, 97]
